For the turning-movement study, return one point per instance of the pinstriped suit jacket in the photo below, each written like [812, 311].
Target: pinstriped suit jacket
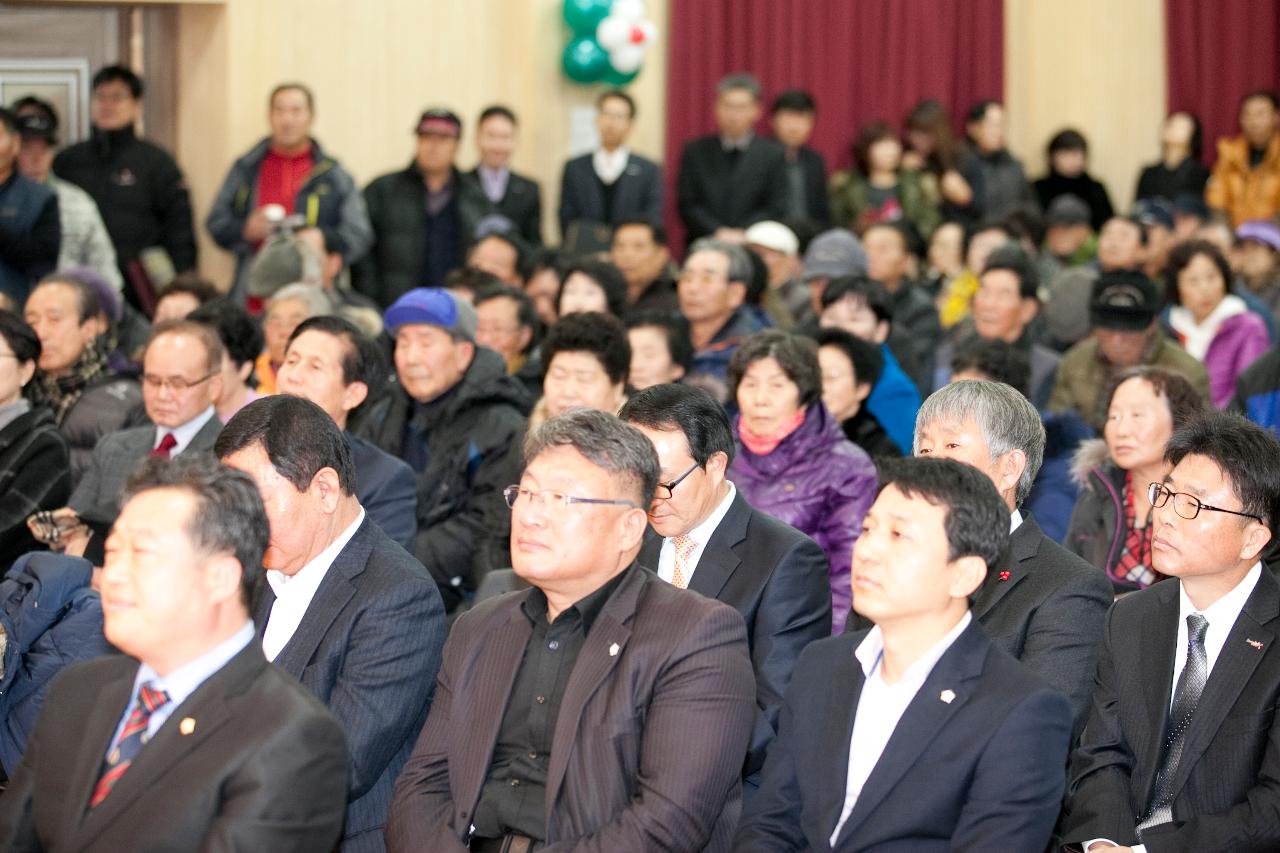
[648, 746]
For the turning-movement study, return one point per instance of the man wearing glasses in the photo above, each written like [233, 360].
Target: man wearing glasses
[1180, 751]
[181, 379]
[601, 709]
[704, 536]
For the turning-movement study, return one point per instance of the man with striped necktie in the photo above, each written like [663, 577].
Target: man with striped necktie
[193, 741]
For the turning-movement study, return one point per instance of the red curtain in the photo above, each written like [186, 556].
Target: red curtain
[863, 60]
[1215, 53]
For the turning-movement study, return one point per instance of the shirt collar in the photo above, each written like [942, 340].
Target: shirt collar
[1223, 612]
[871, 649]
[184, 433]
[184, 680]
[587, 608]
[740, 144]
[702, 533]
[310, 575]
[1015, 520]
[609, 166]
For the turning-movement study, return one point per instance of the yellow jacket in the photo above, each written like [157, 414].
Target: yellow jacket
[1241, 192]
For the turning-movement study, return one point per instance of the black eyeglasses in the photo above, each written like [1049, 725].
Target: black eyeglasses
[1185, 505]
[176, 384]
[514, 494]
[663, 491]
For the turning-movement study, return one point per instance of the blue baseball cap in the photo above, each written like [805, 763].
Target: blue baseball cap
[433, 306]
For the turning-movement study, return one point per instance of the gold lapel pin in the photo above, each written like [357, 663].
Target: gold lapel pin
[1257, 644]
[613, 650]
[187, 726]
[947, 696]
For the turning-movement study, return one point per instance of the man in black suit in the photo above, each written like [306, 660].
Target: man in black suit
[344, 609]
[516, 197]
[191, 742]
[704, 536]
[600, 710]
[792, 117]
[732, 178]
[1180, 752]
[1042, 604]
[331, 363]
[610, 184]
[919, 734]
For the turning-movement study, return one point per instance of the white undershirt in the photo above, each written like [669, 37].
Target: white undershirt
[881, 706]
[294, 592]
[700, 534]
[609, 166]
[183, 433]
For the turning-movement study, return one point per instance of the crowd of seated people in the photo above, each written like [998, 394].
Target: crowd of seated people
[917, 505]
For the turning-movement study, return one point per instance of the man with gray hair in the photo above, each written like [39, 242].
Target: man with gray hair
[602, 708]
[732, 178]
[1043, 604]
[712, 291]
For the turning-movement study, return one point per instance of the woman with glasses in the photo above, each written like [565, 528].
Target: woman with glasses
[793, 460]
[1111, 523]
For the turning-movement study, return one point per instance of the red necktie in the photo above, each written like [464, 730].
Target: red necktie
[166, 444]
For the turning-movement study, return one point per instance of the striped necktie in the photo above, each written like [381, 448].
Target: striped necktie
[132, 738]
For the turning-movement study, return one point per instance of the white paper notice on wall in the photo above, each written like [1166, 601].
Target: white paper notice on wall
[583, 136]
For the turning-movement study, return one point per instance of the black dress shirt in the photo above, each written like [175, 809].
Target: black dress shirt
[514, 796]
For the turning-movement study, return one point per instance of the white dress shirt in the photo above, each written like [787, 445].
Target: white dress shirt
[183, 433]
[880, 708]
[1015, 521]
[700, 535]
[1222, 616]
[609, 166]
[294, 592]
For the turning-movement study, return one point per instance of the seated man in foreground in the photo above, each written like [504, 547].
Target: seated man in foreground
[191, 742]
[603, 709]
[918, 734]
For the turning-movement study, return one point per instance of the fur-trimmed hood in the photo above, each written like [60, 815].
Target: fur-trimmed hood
[1089, 455]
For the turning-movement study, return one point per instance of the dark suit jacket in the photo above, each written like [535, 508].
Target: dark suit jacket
[982, 772]
[814, 169]
[522, 204]
[1048, 612]
[776, 577]
[265, 768]
[97, 496]
[1225, 789]
[369, 648]
[713, 194]
[387, 489]
[636, 193]
[648, 746]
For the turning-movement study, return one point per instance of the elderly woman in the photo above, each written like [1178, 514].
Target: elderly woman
[590, 285]
[35, 470]
[661, 352]
[289, 306]
[1210, 322]
[588, 358]
[793, 460]
[1111, 524]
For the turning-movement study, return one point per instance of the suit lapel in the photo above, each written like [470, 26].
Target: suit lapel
[719, 560]
[485, 702]
[207, 706]
[205, 438]
[837, 729]
[1232, 670]
[650, 550]
[107, 712]
[956, 670]
[605, 645]
[331, 597]
[1024, 544]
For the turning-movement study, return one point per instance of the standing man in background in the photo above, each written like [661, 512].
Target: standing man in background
[518, 198]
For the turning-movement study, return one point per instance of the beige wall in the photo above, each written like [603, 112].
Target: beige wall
[1096, 65]
[374, 65]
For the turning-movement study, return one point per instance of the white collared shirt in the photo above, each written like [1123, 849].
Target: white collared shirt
[609, 166]
[294, 592]
[1222, 616]
[881, 706]
[700, 535]
[1015, 521]
[183, 433]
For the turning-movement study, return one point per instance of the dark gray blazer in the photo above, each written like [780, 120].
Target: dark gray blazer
[713, 192]
[1224, 792]
[777, 578]
[264, 768]
[636, 193]
[648, 747]
[368, 647]
[522, 204]
[97, 496]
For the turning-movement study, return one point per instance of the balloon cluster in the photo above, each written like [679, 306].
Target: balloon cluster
[608, 41]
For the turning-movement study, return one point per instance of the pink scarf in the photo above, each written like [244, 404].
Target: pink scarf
[763, 445]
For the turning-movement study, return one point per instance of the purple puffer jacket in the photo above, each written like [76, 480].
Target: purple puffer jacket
[1239, 342]
[820, 483]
